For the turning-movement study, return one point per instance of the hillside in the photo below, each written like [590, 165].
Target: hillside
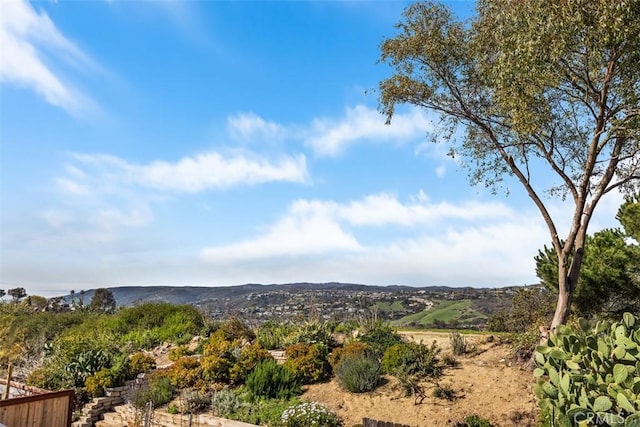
[444, 312]
[434, 306]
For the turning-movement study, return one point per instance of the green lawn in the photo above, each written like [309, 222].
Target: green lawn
[444, 311]
[390, 307]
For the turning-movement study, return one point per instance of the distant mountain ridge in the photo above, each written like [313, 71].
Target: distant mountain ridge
[440, 306]
[129, 295]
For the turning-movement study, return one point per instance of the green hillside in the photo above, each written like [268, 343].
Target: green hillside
[444, 313]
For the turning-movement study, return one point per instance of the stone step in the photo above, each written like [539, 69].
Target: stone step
[111, 419]
[124, 416]
[114, 418]
[103, 423]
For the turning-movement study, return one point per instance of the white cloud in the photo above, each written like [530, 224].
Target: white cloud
[330, 137]
[110, 218]
[70, 186]
[385, 209]
[194, 174]
[29, 41]
[56, 219]
[292, 236]
[212, 170]
[478, 255]
[249, 126]
[481, 240]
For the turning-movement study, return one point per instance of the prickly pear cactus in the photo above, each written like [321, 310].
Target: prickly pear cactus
[591, 376]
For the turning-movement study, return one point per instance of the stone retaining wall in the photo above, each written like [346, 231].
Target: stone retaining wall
[161, 418]
[114, 396]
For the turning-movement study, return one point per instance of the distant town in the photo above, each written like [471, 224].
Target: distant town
[435, 306]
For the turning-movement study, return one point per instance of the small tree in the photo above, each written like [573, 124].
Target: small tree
[610, 279]
[17, 294]
[102, 300]
[547, 94]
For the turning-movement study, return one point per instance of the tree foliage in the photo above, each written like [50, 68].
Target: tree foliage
[610, 279]
[629, 217]
[17, 294]
[103, 300]
[537, 88]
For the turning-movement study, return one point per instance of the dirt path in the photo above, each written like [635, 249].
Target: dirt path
[486, 384]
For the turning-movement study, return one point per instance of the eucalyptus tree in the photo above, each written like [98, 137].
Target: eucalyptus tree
[103, 300]
[545, 92]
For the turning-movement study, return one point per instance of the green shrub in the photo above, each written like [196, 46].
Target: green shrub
[449, 360]
[142, 338]
[140, 363]
[249, 357]
[358, 373]
[444, 392]
[309, 362]
[149, 324]
[312, 332]
[121, 369]
[474, 421]
[270, 380]
[459, 345]
[185, 372]
[264, 412]
[225, 403]
[96, 383]
[194, 401]
[216, 368]
[523, 344]
[85, 364]
[590, 371]
[236, 329]
[499, 321]
[273, 335]
[309, 414]
[49, 378]
[221, 344]
[379, 335]
[158, 390]
[176, 353]
[406, 359]
[228, 403]
[346, 327]
[353, 348]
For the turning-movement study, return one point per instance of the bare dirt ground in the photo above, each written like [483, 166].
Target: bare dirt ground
[487, 384]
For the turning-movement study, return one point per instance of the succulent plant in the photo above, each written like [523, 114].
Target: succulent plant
[591, 375]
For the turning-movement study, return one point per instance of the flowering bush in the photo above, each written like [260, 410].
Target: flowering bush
[309, 414]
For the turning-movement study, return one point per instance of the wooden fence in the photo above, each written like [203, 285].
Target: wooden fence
[48, 409]
[368, 422]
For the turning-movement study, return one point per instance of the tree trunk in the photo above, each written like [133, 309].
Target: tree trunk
[567, 281]
[563, 306]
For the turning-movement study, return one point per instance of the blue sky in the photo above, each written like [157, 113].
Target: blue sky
[222, 143]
